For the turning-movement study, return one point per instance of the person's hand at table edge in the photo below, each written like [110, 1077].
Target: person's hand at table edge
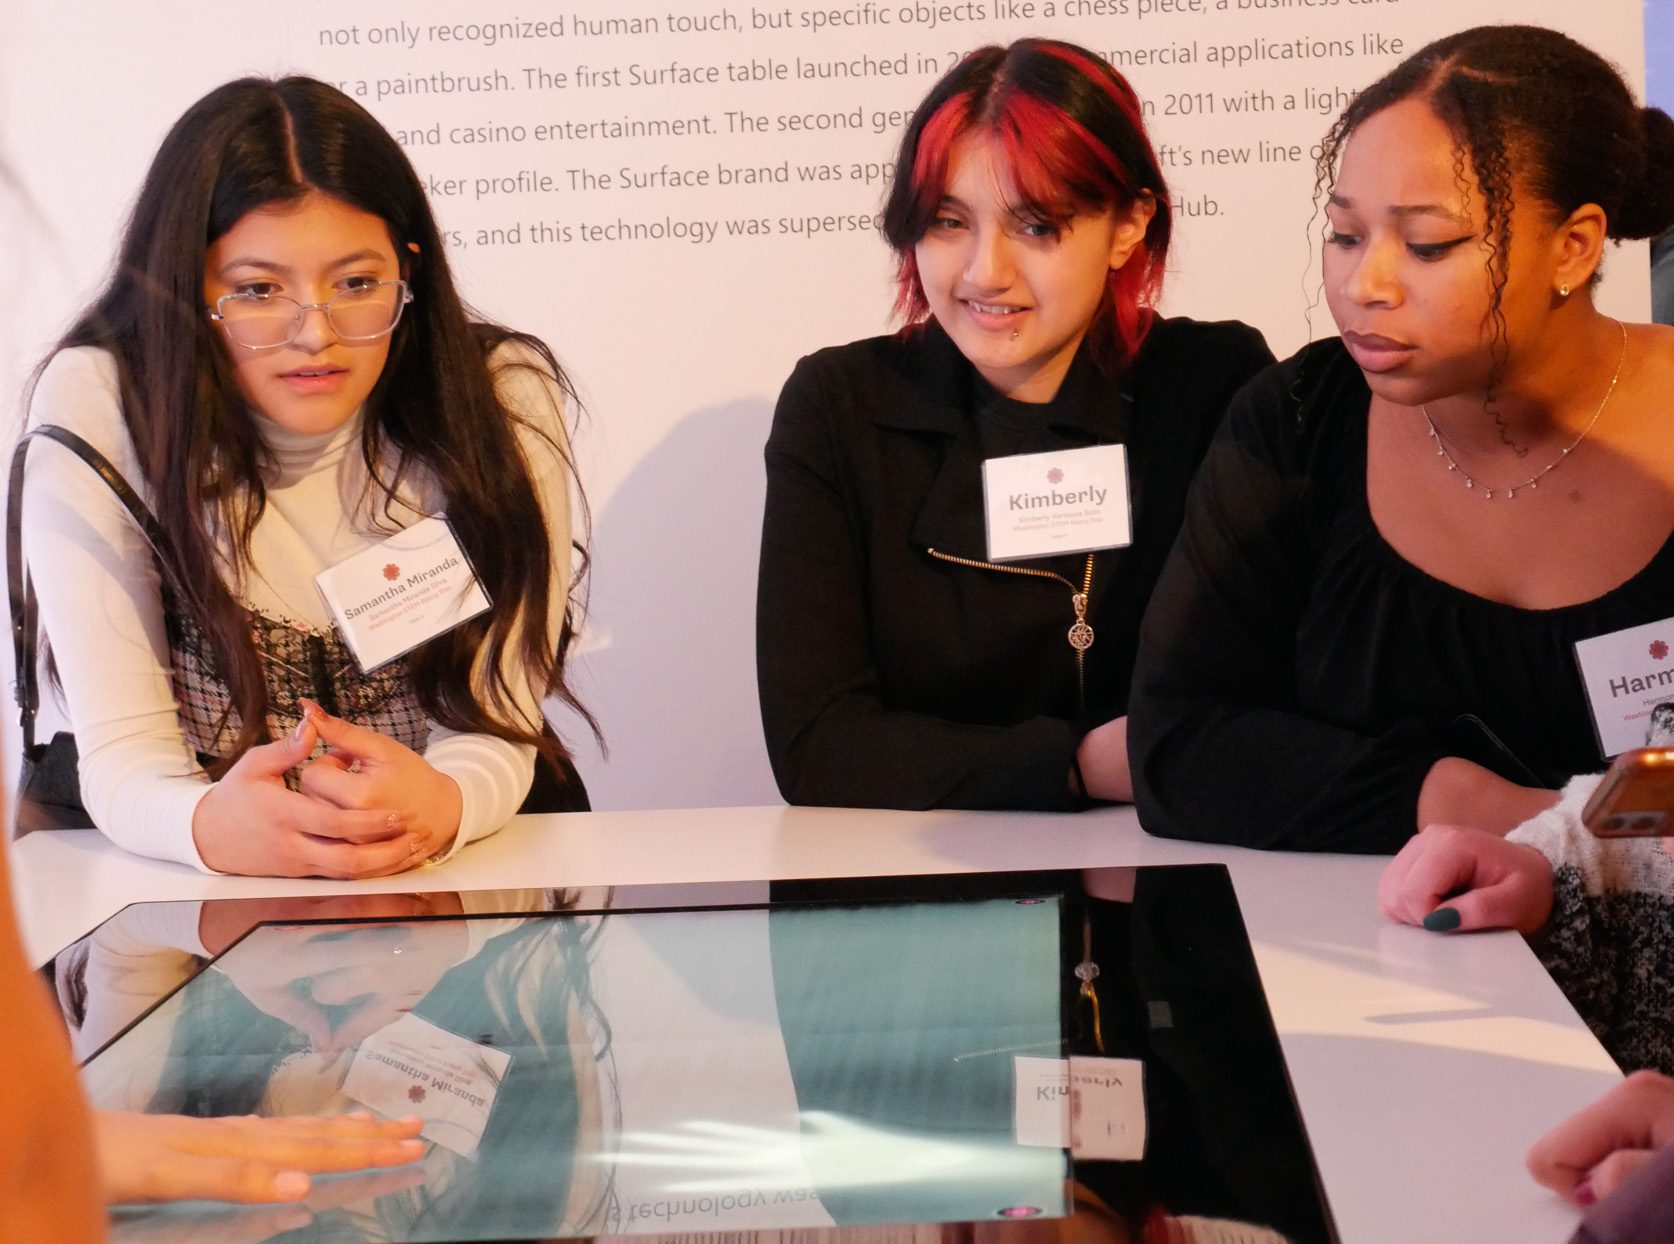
[1449, 879]
[246, 1159]
[1590, 1154]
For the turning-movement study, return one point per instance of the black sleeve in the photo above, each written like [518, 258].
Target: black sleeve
[830, 738]
[1221, 751]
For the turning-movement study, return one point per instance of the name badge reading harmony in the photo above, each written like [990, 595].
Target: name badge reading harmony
[1065, 501]
[1627, 674]
[391, 598]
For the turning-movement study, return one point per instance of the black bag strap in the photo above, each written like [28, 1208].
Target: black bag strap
[20, 590]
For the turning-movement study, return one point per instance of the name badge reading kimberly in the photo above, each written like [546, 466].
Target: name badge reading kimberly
[1066, 501]
[390, 599]
[1627, 674]
[1094, 1107]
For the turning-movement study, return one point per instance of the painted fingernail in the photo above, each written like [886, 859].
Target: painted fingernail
[1442, 920]
[301, 729]
[395, 820]
[291, 1185]
[310, 709]
[1585, 1193]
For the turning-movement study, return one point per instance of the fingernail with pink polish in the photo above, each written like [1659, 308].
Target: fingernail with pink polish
[291, 1185]
[1585, 1193]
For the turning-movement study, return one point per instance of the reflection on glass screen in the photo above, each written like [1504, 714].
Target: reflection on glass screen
[634, 1073]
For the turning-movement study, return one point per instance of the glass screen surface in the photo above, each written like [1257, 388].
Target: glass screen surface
[667, 1072]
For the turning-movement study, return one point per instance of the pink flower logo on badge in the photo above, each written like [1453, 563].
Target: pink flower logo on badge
[1054, 476]
[392, 572]
[416, 1094]
[1658, 649]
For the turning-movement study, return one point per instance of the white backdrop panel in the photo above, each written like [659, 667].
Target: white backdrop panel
[677, 196]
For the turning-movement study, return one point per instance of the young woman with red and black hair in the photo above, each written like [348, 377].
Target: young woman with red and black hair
[897, 664]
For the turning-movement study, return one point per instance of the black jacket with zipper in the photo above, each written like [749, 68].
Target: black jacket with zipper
[892, 678]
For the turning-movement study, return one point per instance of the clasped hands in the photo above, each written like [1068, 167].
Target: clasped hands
[368, 806]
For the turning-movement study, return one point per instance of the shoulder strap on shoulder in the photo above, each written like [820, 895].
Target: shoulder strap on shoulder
[20, 592]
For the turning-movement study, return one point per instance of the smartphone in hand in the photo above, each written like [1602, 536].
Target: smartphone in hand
[1636, 797]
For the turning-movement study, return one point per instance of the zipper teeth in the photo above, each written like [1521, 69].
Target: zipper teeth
[1032, 571]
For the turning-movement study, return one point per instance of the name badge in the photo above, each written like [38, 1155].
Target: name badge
[1627, 674]
[1094, 1107]
[413, 1067]
[1066, 501]
[390, 599]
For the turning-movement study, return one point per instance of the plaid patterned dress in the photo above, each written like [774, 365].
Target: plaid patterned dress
[298, 663]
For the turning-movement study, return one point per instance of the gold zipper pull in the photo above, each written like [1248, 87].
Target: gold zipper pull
[1080, 635]
[1087, 972]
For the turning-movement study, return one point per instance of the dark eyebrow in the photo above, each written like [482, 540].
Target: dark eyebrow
[362, 256]
[250, 261]
[267, 265]
[1404, 211]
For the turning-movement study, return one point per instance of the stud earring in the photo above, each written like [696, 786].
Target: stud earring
[1563, 290]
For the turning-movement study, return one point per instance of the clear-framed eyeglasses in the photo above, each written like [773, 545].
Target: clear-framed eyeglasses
[266, 321]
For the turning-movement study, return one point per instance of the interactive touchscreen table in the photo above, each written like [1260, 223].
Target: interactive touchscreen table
[998, 1057]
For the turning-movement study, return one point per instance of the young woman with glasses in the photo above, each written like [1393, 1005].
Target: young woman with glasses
[283, 370]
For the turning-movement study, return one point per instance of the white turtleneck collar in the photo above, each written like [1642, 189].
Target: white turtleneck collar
[295, 454]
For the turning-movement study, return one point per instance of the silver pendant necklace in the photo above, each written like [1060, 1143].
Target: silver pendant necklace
[1534, 480]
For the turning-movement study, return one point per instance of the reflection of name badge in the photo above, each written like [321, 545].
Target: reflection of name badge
[390, 599]
[1627, 674]
[1067, 501]
[1094, 1107]
[413, 1067]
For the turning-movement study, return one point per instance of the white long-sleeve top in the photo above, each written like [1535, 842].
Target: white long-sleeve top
[102, 610]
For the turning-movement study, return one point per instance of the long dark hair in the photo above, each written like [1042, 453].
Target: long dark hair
[256, 142]
[1527, 104]
[1073, 135]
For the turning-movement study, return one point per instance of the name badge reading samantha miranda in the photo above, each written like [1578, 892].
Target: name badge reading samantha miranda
[410, 1066]
[413, 587]
[1065, 501]
[1627, 673]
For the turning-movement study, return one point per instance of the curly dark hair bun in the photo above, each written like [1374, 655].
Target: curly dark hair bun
[1647, 206]
[1532, 106]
